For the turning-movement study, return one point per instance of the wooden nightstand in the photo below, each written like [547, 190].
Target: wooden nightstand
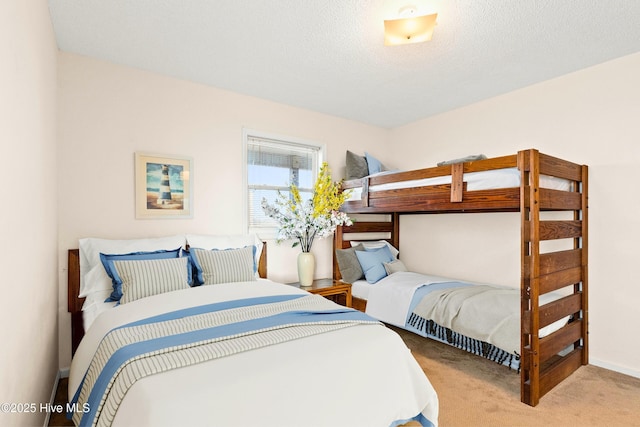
[329, 288]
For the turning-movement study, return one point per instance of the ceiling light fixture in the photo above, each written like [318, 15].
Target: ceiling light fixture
[409, 28]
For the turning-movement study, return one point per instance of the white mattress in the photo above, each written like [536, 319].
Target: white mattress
[485, 180]
[374, 380]
[360, 289]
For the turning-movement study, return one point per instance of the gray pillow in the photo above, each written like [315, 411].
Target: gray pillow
[348, 263]
[394, 266]
[356, 166]
[470, 158]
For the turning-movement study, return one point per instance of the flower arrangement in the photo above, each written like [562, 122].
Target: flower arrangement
[303, 221]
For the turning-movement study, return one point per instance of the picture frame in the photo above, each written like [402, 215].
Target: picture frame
[163, 186]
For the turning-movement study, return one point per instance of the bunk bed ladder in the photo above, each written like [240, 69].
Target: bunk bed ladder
[547, 361]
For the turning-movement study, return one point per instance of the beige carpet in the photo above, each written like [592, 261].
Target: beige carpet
[477, 392]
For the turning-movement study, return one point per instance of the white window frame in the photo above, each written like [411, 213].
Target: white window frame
[270, 232]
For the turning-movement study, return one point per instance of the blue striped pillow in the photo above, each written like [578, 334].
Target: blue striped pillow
[144, 278]
[108, 260]
[223, 266]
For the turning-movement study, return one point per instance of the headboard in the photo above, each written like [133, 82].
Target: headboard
[74, 303]
[365, 230]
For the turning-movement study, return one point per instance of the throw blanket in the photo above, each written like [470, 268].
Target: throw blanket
[197, 335]
[485, 313]
[390, 299]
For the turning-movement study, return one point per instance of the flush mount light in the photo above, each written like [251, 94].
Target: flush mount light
[409, 28]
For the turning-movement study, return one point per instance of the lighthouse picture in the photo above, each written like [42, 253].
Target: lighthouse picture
[162, 186]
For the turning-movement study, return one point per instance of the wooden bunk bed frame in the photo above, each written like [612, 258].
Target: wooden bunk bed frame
[545, 362]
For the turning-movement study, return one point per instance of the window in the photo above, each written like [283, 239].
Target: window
[272, 164]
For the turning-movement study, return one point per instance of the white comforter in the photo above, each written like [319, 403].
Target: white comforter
[358, 376]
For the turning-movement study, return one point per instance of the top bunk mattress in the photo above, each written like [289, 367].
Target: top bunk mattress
[484, 180]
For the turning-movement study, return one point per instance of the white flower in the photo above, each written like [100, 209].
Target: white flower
[303, 221]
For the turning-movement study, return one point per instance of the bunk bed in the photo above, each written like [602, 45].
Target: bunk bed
[454, 188]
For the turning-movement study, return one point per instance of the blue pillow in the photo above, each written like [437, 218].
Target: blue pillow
[108, 259]
[372, 263]
[199, 271]
[374, 164]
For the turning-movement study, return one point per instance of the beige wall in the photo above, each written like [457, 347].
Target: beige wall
[107, 112]
[28, 219]
[588, 117]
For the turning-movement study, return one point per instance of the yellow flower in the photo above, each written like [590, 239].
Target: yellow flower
[304, 220]
[326, 194]
[295, 198]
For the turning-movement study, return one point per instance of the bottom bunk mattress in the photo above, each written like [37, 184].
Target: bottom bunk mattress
[245, 353]
[478, 318]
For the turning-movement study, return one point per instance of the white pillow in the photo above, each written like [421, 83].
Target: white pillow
[90, 249]
[96, 298]
[226, 241]
[375, 244]
[96, 280]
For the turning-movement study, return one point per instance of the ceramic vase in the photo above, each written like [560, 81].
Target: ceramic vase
[306, 267]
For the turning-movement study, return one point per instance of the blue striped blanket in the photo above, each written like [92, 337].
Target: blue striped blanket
[195, 335]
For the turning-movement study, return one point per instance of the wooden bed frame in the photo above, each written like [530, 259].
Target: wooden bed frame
[542, 367]
[74, 303]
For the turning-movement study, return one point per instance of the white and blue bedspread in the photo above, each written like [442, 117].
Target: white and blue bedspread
[144, 349]
[396, 298]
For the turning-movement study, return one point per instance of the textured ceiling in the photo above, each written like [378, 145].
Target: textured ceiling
[328, 55]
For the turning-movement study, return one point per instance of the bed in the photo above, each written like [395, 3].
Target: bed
[480, 318]
[530, 183]
[234, 350]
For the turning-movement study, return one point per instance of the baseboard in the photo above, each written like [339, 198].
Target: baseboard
[62, 373]
[52, 399]
[616, 368]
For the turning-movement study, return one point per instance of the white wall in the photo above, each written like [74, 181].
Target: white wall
[28, 218]
[589, 117]
[107, 112]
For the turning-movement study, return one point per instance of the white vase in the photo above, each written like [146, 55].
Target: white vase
[306, 267]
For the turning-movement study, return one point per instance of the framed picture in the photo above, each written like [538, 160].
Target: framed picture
[163, 186]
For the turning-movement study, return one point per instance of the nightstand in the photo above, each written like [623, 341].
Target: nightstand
[329, 288]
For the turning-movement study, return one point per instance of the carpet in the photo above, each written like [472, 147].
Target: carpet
[477, 392]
